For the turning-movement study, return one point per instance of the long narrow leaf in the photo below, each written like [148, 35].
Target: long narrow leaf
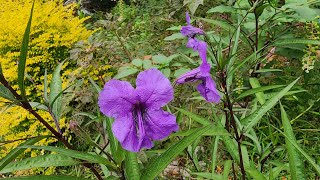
[157, 166]
[254, 82]
[255, 117]
[310, 160]
[296, 164]
[55, 89]
[6, 94]
[23, 55]
[75, 154]
[195, 117]
[131, 166]
[50, 160]
[256, 90]
[17, 151]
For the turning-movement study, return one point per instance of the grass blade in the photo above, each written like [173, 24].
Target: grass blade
[296, 164]
[23, 55]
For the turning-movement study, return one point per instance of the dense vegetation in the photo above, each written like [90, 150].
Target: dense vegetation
[192, 89]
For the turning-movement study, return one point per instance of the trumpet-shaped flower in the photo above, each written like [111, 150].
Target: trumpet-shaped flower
[138, 116]
[189, 30]
[207, 87]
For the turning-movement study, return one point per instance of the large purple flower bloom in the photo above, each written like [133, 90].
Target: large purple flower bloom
[138, 116]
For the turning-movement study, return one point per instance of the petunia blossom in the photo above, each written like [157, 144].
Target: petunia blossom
[189, 30]
[206, 87]
[138, 114]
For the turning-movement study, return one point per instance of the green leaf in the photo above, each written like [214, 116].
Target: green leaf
[227, 169]
[6, 93]
[45, 88]
[213, 131]
[296, 41]
[174, 37]
[254, 82]
[192, 5]
[18, 150]
[161, 59]
[132, 171]
[75, 154]
[195, 117]
[49, 160]
[161, 162]
[255, 117]
[296, 164]
[268, 70]
[51, 177]
[222, 9]
[23, 55]
[224, 25]
[259, 89]
[174, 28]
[55, 88]
[40, 106]
[137, 62]
[310, 160]
[127, 71]
[116, 150]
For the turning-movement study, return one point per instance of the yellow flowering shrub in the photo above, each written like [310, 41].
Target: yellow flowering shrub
[54, 30]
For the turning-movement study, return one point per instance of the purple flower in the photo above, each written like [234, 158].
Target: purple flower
[207, 87]
[189, 30]
[138, 116]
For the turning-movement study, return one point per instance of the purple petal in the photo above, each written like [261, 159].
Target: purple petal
[190, 76]
[117, 98]
[202, 48]
[207, 89]
[153, 88]
[199, 46]
[125, 130]
[160, 124]
[187, 18]
[205, 69]
[190, 30]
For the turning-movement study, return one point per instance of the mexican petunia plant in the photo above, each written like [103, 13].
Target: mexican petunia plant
[133, 133]
[139, 118]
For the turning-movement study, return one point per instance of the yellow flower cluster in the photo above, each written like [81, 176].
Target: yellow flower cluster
[54, 30]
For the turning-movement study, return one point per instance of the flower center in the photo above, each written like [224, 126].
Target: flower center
[139, 113]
